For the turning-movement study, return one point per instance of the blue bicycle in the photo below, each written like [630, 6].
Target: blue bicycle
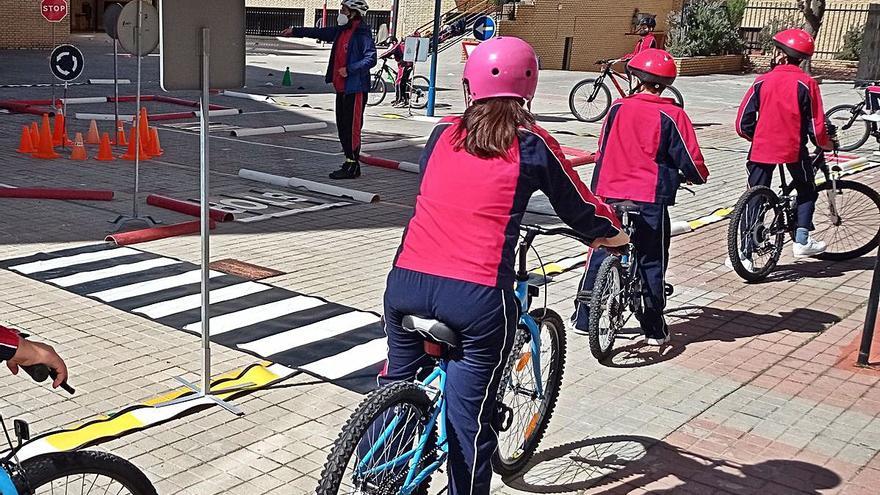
[396, 439]
[83, 471]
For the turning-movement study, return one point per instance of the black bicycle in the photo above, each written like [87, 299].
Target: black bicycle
[853, 129]
[417, 87]
[81, 471]
[617, 293]
[847, 218]
[590, 99]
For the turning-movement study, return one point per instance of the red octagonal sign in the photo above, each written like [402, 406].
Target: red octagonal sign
[53, 10]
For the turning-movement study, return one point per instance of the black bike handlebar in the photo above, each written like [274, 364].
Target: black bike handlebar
[536, 230]
[39, 373]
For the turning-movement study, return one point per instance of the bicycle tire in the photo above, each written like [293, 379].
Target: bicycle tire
[41, 471]
[602, 290]
[418, 97]
[858, 250]
[739, 212]
[602, 92]
[378, 90]
[379, 401]
[676, 95]
[556, 332]
[847, 111]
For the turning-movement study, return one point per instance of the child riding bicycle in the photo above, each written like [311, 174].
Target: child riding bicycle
[779, 115]
[646, 38]
[455, 263]
[647, 142]
[404, 72]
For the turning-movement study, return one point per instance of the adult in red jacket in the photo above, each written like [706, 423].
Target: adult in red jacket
[780, 114]
[647, 144]
[455, 263]
[646, 38]
[18, 351]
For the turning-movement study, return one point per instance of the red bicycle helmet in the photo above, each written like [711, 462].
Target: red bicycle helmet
[653, 66]
[795, 43]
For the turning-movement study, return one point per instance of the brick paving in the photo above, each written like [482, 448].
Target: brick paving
[756, 394]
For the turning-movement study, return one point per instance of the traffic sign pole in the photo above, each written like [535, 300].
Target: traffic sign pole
[435, 40]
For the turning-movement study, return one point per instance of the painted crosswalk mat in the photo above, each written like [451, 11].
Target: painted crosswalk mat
[327, 340]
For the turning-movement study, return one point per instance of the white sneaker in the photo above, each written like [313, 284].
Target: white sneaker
[746, 263]
[811, 248]
[873, 117]
[652, 342]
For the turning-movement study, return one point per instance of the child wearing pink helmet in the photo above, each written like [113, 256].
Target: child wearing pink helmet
[455, 263]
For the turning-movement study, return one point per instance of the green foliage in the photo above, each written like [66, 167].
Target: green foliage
[765, 37]
[852, 44]
[707, 28]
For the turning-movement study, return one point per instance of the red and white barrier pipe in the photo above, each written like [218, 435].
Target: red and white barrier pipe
[154, 233]
[392, 164]
[187, 208]
[50, 193]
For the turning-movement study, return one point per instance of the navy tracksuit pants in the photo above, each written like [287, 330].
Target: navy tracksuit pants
[803, 177]
[651, 238]
[487, 318]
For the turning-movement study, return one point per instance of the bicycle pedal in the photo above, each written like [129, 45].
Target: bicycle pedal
[668, 289]
[503, 417]
[584, 296]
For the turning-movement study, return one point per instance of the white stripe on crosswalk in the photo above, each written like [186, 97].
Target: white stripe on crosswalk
[114, 271]
[257, 314]
[298, 337]
[150, 286]
[354, 359]
[77, 259]
[186, 303]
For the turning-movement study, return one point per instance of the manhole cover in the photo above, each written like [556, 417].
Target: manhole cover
[244, 270]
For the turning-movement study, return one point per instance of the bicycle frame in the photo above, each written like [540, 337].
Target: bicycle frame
[607, 71]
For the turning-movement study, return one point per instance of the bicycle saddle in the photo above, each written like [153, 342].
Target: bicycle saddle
[432, 329]
[626, 207]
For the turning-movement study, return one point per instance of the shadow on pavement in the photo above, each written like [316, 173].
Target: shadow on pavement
[703, 324]
[640, 461]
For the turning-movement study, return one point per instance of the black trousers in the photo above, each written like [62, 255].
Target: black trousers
[350, 121]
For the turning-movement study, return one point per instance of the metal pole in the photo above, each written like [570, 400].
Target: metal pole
[206, 219]
[871, 317]
[115, 82]
[137, 113]
[395, 10]
[435, 41]
[64, 113]
[53, 82]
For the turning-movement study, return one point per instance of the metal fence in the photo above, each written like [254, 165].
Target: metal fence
[270, 22]
[837, 21]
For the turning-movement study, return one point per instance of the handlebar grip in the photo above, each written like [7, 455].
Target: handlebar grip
[38, 372]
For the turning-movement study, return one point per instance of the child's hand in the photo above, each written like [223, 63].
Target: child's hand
[343, 71]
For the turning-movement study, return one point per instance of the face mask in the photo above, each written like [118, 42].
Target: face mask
[342, 19]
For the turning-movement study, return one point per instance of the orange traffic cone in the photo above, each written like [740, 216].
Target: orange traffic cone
[60, 136]
[93, 137]
[35, 134]
[120, 134]
[144, 125]
[130, 153]
[155, 148]
[105, 152]
[44, 149]
[79, 150]
[26, 145]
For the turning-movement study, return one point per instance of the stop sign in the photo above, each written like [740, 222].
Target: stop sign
[53, 10]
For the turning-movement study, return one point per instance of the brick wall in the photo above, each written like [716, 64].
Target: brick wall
[597, 28]
[829, 69]
[22, 26]
[719, 64]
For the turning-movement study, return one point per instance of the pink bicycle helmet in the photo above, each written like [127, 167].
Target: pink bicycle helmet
[795, 43]
[503, 66]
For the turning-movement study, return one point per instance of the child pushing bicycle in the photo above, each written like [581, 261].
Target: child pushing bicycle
[647, 143]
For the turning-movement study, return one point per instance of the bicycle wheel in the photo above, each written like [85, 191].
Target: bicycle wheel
[852, 132]
[756, 234]
[418, 97]
[676, 95]
[83, 471]
[531, 413]
[377, 90]
[855, 228]
[606, 308]
[588, 101]
[346, 471]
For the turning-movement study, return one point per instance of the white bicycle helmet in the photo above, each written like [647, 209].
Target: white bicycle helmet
[359, 6]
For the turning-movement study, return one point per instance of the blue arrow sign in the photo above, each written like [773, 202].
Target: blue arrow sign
[484, 28]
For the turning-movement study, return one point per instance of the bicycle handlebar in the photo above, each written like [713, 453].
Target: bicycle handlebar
[40, 372]
[536, 230]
